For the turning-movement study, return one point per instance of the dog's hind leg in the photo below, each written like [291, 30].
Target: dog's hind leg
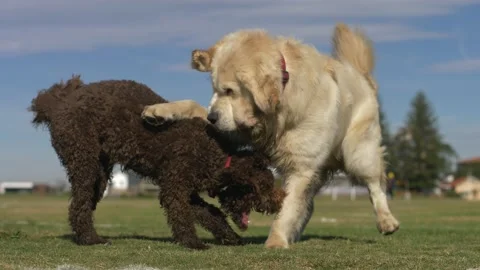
[80, 159]
[79, 154]
[180, 216]
[364, 159]
[214, 220]
[83, 177]
[102, 180]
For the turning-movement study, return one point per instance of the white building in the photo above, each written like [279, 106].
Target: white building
[121, 181]
[341, 185]
[16, 187]
[469, 188]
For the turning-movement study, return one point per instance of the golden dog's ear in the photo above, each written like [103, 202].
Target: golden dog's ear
[202, 59]
[266, 95]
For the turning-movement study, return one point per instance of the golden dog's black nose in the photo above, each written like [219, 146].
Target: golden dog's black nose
[212, 117]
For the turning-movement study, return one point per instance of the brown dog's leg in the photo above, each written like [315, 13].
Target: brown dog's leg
[83, 176]
[79, 153]
[180, 217]
[214, 220]
[101, 183]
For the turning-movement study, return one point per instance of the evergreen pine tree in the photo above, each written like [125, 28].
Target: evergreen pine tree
[402, 154]
[425, 155]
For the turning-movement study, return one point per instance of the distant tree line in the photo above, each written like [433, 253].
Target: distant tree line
[417, 153]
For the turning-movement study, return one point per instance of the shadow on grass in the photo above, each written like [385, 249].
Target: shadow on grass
[308, 237]
[256, 240]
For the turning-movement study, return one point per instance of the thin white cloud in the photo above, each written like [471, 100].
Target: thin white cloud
[457, 66]
[31, 26]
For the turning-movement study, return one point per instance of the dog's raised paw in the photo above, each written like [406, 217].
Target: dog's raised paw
[154, 121]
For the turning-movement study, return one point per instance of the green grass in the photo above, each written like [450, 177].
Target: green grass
[434, 234]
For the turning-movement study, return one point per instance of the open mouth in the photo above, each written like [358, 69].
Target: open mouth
[244, 221]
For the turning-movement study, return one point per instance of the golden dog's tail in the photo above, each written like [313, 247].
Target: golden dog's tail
[355, 48]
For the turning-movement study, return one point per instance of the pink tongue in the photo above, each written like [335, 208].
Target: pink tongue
[245, 219]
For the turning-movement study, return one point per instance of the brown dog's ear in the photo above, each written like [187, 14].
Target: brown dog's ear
[202, 59]
[279, 195]
[275, 201]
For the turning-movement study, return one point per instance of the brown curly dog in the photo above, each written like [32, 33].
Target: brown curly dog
[94, 126]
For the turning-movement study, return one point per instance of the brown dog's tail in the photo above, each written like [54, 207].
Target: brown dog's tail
[355, 48]
[46, 101]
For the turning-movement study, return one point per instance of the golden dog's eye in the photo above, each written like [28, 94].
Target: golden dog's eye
[228, 91]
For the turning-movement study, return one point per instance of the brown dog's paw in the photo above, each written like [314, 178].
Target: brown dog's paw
[231, 241]
[198, 245]
[92, 240]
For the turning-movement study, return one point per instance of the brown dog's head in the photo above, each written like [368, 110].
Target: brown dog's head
[246, 78]
[248, 185]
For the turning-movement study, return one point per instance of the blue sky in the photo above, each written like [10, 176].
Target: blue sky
[431, 45]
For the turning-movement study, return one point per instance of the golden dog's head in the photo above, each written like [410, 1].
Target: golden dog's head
[246, 79]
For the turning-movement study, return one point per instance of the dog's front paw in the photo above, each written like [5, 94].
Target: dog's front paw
[198, 245]
[234, 240]
[157, 114]
[87, 240]
[274, 241]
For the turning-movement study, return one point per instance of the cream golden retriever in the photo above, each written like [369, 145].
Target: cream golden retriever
[312, 113]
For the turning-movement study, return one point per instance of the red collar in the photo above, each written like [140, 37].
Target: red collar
[213, 193]
[285, 74]
[227, 163]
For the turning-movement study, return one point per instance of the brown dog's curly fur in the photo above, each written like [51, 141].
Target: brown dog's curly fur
[94, 126]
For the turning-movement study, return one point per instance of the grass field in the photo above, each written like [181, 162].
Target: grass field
[434, 234]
